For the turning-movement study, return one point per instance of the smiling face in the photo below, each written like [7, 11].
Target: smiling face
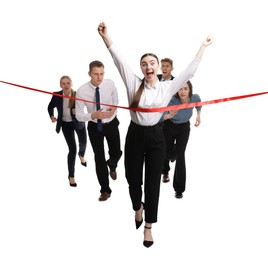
[166, 69]
[149, 66]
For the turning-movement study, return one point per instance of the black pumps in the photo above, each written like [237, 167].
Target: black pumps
[147, 243]
[72, 184]
[83, 163]
[138, 223]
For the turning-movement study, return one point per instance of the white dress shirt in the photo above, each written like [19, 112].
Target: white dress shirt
[108, 95]
[66, 113]
[156, 96]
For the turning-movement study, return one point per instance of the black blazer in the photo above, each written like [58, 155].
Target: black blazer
[160, 77]
[57, 102]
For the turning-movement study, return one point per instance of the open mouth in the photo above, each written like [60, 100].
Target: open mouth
[150, 73]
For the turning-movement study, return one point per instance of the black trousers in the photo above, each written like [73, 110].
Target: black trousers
[68, 130]
[178, 133]
[111, 133]
[145, 150]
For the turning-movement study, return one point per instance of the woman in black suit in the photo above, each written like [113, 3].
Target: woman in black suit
[68, 123]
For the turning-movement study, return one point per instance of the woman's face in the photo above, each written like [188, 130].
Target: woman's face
[149, 67]
[66, 85]
[184, 92]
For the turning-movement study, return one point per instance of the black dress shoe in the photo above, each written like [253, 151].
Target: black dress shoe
[147, 243]
[84, 164]
[72, 184]
[138, 223]
[178, 195]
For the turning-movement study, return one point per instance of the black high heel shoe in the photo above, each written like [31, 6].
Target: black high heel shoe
[72, 184]
[147, 243]
[138, 223]
[83, 163]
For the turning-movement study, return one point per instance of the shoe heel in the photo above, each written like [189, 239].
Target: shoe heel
[72, 184]
[139, 223]
[147, 243]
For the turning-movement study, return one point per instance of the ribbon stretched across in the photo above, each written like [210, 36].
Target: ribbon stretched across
[148, 110]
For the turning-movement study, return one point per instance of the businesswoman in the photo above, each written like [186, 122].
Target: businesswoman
[68, 123]
[145, 139]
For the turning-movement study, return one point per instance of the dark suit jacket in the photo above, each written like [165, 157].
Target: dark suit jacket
[160, 77]
[57, 102]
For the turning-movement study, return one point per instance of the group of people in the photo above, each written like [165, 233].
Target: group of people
[152, 140]
[102, 123]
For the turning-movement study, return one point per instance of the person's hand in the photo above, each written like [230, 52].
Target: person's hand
[170, 114]
[110, 111]
[197, 121]
[208, 40]
[53, 119]
[103, 32]
[100, 114]
[102, 29]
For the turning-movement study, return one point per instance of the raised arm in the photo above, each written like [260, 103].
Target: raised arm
[102, 29]
[130, 79]
[207, 41]
[190, 70]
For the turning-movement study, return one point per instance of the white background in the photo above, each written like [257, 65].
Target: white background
[223, 213]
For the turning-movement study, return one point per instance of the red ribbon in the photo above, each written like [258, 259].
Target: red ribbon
[148, 110]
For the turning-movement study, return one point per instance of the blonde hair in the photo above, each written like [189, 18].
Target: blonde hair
[65, 77]
[170, 61]
[71, 101]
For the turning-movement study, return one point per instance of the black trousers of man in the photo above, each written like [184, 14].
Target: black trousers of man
[110, 132]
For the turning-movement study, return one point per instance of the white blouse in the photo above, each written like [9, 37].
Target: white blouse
[66, 113]
[152, 97]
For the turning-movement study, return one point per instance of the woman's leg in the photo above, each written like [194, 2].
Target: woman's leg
[68, 132]
[155, 151]
[134, 158]
[179, 180]
[82, 140]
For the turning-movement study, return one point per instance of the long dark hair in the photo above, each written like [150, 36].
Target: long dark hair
[189, 83]
[136, 100]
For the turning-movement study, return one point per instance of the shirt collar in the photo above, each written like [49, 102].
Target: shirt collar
[93, 86]
[152, 87]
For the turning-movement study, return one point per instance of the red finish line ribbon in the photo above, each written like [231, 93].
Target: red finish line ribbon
[148, 110]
